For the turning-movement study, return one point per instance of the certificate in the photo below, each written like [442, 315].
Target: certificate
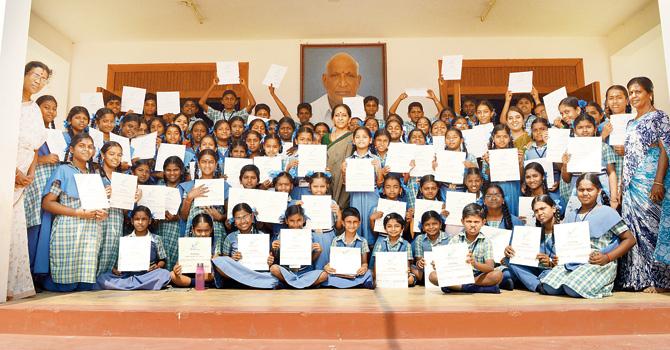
[98, 138]
[153, 197]
[125, 146]
[526, 207]
[91, 191]
[252, 117]
[134, 253]
[311, 158]
[520, 82]
[144, 147]
[275, 75]
[172, 200]
[92, 101]
[345, 260]
[168, 102]
[428, 258]
[499, 238]
[56, 143]
[619, 123]
[450, 166]
[267, 165]
[356, 105]
[124, 187]
[271, 205]
[451, 266]
[585, 154]
[237, 195]
[504, 164]
[399, 157]
[296, 247]
[132, 99]
[387, 207]
[255, 249]
[548, 167]
[526, 245]
[232, 167]
[216, 194]
[194, 251]
[391, 269]
[557, 144]
[455, 203]
[360, 175]
[228, 72]
[572, 242]
[421, 206]
[551, 102]
[319, 212]
[423, 160]
[438, 143]
[477, 139]
[452, 67]
[165, 151]
[417, 92]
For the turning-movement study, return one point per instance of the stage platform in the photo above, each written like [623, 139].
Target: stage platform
[332, 319]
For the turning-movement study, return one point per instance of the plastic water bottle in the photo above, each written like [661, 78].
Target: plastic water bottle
[200, 277]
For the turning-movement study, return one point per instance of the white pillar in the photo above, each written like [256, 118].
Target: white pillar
[12, 60]
[664, 13]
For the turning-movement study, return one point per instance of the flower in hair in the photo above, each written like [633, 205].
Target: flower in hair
[582, 103]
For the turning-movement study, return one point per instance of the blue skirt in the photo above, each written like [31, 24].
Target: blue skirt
[241, 274]
[151, 280]
[324, 239]
[512, 191]
[301, 279]
[364, 281]
[364, 202]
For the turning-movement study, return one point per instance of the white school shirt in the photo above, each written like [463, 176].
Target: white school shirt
[321, 111]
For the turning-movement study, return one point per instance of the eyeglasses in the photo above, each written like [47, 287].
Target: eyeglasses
[244, 217]
[39, 77]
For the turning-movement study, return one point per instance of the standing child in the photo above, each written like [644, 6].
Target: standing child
[105, 121]
[392, 190]
[229, 101]
[500, 139]
[453, 141]
[172, 227]
[394, 225]
[304, 136]
[222, 134]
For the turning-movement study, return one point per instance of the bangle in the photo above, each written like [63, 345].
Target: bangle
[609, 259]
[658, 183]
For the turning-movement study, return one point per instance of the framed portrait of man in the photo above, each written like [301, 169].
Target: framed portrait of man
[330, 72]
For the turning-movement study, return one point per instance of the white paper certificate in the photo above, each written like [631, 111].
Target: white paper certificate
[360, 175]
[228, 72]
[271, 205]
[548, 167]
[428, 258]
[296, 247]
[345, 260]
[585, 154]
[165, 151]
[423, 205]
[557, 144]
[391, 269]
[450, 167]
[551, 102]
[356, 105]
[526, 245]
[399, 157]
[98, 138]
[520, 82]
[499, 238]
[526, 207]
[452, 67]
[91, 191]
[387, 207]
[56, 143]
[172, 200]
[275, 75]
[619, 123]
[134, 253]
[266, 165]
[451, 266]
[216, 194]
[416, 92]
[123, 191]
[237, 195]
[455, 203]
[168, 102]
[232, 167]
[423, 160]
[194, 251]
[92, 101]
[144, 147]
[477, 139]
[132, 99]
[318, 211]
[504, 164]
[255, 249]
[311, 158]
[153, 197]
[125, 146]
[572, 242]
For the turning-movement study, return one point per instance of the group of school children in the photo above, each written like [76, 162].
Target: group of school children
[73, 249]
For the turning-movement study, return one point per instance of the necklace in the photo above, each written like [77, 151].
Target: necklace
[587, 213]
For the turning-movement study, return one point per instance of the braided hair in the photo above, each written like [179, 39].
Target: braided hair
[101, 162]
[500, 127]
[175, 160]
[75, 140]
[47, 98]
[426, 179]
[506, 216]
[73, 112]
[595, 180]
[525, 190]
[546, 199]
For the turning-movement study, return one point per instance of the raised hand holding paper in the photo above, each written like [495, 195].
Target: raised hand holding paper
[228, 72]
[551, 102]
[417, 92]
[92, 101]
[520, 82]
[168, 102]
[356, 105]
[132, 99]
[450, 167]
[275, 75]
[452, 67]
[399, 157]
[216, 194]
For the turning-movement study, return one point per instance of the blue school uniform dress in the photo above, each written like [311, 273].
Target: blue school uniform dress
[325, 239]
[237, 274]
[68, 246]
[112, 230]
[512, 190]
[422, 243]
[219, 227]
[140, 280]
[384, 245]
[515, 221]
[298, 277]
[301, 187]
[569, 191]
[530, 276]
[364, 281]
[364, 202]
[170, 231]
[212, 283]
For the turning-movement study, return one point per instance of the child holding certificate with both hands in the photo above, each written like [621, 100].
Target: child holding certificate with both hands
[203, 226]
[394, 225]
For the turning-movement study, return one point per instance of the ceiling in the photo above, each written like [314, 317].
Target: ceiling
[167, 20]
